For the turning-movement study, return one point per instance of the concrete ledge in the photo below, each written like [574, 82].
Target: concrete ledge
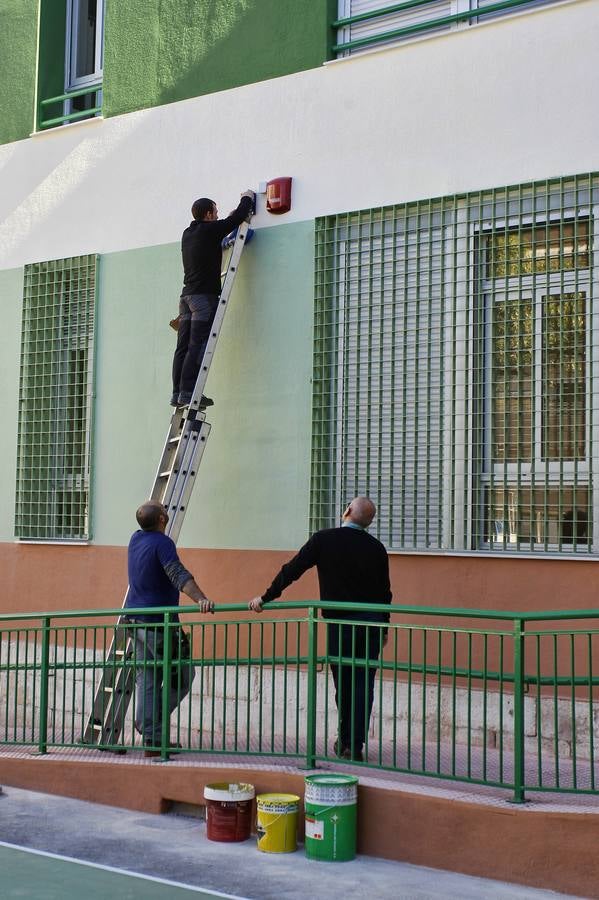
[538, 844]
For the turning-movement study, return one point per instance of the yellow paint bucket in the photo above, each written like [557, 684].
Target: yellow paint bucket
[276, 822]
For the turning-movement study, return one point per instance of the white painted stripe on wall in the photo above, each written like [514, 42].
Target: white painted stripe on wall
[506, 102]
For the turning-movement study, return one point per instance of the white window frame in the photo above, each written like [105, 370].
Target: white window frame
[537, 471]
[72, 82]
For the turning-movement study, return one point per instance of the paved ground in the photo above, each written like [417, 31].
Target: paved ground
[175, 848]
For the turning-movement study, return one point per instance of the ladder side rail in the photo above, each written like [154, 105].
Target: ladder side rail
[226, 290]
[184, 486]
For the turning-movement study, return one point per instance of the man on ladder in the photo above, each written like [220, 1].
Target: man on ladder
[202, 261]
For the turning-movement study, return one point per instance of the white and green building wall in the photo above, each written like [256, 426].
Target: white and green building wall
[422, 326]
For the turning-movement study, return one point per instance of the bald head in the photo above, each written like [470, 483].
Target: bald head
[361, 511]
[150, 515]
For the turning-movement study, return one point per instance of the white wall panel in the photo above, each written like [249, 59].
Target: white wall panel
[511, 100]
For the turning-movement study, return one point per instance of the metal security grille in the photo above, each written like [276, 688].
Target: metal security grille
[456, 352]
[367, 24]
[55, 400]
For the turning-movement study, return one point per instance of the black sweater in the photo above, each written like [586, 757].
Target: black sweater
[352, 565]
[202, 252]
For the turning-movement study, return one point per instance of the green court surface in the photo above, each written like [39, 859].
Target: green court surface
[33, 875]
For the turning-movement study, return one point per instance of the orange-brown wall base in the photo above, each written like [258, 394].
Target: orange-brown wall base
[553, 850]
[50, 578]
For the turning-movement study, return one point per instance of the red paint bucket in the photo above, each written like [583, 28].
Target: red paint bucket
[228, 811]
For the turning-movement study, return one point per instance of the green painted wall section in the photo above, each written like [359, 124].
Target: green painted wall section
[18, 47]
[157, 52]
[11, 304]
[257, 458]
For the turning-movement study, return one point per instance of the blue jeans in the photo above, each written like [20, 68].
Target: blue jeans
[196, 315]
[149, 648]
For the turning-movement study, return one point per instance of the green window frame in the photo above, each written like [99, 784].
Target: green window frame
[455, 361]
[54, 450]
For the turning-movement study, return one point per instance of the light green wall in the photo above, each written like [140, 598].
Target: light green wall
[253, 486]
[18, 47]
[158, 52]
[11, 304]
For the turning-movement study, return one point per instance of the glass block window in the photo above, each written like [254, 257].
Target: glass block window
[455, 369]
[369, 24]
[55, 400]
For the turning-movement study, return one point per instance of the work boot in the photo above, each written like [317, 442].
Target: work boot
[343, 752]
[175, 398]
[206, 401]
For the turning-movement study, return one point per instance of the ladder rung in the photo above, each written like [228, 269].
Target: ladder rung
[166, 474]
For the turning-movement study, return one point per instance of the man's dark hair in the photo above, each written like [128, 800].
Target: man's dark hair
[201, 207]
[148, 515]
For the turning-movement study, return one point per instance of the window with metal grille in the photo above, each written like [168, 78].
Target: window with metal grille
[55, 400]
[456, 346]
[364, 24]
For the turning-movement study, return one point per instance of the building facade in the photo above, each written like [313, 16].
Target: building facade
[422, 326]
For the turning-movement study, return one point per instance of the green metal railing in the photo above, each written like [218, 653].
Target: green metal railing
[418, 27]
[504, 699]
[73, 116]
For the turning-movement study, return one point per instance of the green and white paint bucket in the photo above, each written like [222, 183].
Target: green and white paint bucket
[331, 803]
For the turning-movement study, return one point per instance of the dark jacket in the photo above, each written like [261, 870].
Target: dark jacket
[202, 252]
[352, 565]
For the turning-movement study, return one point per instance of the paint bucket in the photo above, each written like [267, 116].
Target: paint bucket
[331, 803]
[276, 822]
[228, 811]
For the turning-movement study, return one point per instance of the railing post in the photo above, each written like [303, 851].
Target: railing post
[45, 674]
[166, 688]
[519, 773]
[311, 705]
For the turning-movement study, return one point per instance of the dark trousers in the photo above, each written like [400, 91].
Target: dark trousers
[149, 652]
[354, 684]
[196, 315]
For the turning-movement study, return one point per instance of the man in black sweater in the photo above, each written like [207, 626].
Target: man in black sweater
[353, 567]
[202, 261]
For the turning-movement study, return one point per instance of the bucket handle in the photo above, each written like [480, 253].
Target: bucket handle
[278, 816]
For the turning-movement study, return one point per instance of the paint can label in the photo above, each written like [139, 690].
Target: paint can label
[315, 829]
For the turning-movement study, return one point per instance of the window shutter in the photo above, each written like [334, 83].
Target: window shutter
[369, 28]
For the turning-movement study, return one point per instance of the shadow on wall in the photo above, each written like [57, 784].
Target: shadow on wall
[210, 47]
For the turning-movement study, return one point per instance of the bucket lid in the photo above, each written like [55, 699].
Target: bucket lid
[229, 792]
[280, 799]
[332, 780]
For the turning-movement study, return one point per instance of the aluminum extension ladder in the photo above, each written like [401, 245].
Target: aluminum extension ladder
[181, 456]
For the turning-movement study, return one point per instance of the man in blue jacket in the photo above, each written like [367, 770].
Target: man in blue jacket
[202, 262]
[156, 575]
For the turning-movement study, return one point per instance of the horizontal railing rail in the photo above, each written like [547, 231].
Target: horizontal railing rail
[69, 117]
[479, 696]
[416, 28]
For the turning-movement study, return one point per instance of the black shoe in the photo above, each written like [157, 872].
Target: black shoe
[206, 401]
[183, 398]
[175, 398]
[343, 752]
